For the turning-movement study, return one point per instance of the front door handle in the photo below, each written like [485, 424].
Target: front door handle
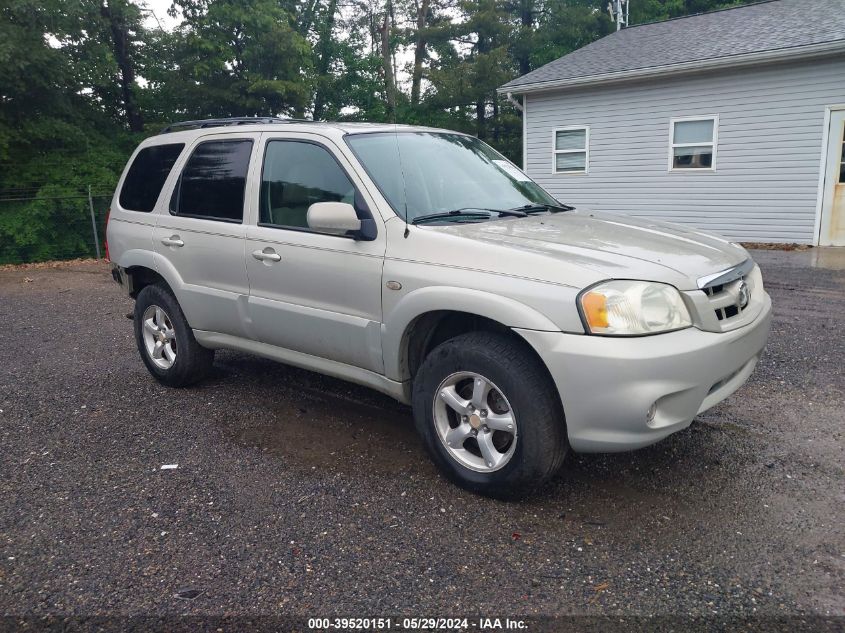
[267, 255]
[173, 240]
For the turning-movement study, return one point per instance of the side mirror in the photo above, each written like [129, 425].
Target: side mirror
[338, 218]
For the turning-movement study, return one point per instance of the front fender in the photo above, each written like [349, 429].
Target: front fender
[397, 322]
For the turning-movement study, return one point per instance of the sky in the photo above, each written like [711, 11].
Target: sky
[158, 13]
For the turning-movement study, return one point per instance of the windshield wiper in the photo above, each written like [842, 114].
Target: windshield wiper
[468, 212]
[542, 208]
[449, 215]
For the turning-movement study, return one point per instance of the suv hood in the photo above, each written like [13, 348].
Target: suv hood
[614, 246]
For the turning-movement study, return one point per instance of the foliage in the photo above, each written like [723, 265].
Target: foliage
[82, 81]
[235, 58]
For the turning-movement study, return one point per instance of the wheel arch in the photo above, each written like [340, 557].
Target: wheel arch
[144, 268]
[140, 277]
[427, 317]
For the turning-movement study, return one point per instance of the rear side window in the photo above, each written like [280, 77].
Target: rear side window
[146, 176]
[213, 181]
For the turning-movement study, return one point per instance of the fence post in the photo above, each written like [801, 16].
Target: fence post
[93, 223]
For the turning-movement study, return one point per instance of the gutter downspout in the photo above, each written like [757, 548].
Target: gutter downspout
[516, 104]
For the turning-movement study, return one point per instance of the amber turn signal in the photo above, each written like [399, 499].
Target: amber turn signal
[595, 310]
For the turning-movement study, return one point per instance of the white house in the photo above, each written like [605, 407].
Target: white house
[730, 121]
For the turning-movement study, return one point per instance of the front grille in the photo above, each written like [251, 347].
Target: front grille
[725, 298]
[729, 294]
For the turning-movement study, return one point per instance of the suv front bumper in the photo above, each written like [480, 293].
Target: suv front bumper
[607, 385]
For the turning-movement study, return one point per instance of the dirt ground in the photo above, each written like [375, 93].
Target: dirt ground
[300, 495]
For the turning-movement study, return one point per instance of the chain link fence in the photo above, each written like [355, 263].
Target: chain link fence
[48, 228]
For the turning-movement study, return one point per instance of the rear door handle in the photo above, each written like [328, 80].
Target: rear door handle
[268, 254]
[173, 240]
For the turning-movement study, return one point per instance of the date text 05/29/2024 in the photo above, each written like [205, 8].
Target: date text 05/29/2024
[412, 624]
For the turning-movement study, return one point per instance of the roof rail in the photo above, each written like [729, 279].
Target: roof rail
[242, 120]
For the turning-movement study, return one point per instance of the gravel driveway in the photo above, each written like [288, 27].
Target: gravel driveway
[301, 495]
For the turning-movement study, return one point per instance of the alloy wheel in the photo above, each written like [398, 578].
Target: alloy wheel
[159, 337]
[475, 421]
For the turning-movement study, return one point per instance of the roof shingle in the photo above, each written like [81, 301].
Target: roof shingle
[719, 35]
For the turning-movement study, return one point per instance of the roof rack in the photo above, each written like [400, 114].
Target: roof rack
[243, 120]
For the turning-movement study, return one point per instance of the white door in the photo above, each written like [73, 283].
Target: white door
[200, 233]
[833, 202]
[310, 292]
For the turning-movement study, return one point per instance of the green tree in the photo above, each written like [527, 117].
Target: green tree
[235, 58]
[59, 133]
[653, 10]
[82, 81]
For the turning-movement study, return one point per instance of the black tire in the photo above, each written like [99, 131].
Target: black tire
[193, 361]
[541, 441]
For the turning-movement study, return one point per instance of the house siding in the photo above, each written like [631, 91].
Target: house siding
[765, 184]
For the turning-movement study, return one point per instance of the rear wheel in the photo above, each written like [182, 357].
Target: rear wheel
[165, 340]
[489, 415]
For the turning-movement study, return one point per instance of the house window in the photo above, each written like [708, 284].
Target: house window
[571, 150]
[693, 143]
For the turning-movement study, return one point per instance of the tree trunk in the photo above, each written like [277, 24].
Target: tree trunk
[303, 25]
[419, 51]
[480, 109]
[482, 47]
[526, 18]
[325, 59]
[387, 62]
[496, 126]
[120, 46]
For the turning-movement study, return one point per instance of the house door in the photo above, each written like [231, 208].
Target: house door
[833, 203]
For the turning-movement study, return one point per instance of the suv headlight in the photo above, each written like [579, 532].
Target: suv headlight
[632, 308]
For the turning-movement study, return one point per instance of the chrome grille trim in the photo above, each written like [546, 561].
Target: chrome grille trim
[716, 307]
[726, 276]
[724, 298]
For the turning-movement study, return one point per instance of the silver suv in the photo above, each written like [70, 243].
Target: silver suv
[423, 264]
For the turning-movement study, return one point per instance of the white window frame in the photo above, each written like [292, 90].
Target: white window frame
[714, 144]
[585, 151]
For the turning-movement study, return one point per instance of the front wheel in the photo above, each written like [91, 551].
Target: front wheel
[489, 415]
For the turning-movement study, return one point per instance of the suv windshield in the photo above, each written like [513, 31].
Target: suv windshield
[443, 172]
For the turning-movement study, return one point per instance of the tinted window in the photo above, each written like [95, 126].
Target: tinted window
[295, 176]
[146, 176]
[213, 181]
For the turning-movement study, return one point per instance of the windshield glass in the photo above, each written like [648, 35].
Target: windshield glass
[442, 172]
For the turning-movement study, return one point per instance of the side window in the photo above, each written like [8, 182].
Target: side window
[213, 181]
[295, 176]
[146, 176]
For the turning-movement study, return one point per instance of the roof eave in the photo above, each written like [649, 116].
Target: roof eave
[734, 61]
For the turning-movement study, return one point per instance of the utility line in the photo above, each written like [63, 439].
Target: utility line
[85, 197]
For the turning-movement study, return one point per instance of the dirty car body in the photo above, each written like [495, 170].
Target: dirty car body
[423, 264]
